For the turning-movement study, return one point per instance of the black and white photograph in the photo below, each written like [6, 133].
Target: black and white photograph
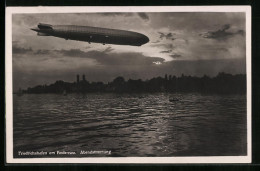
[128, 84]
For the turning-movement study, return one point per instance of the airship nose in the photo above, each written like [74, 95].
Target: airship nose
[146, 39]
[143, 39]
[35, 29]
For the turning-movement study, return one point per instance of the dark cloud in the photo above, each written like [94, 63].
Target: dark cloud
[221, 34]
[241, 32]
[168, 36]
[215, 49]
[42, 52]
[20, 50]
[197, 21]
[144, 16]
[102, 57]
[175, 56]
[225, 27]
[72, 52]
[16, 42]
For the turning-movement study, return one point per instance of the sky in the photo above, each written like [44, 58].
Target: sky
[189, 43]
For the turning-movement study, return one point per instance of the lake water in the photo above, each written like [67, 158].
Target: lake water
[130, 125]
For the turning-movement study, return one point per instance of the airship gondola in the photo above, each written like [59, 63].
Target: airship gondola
[92, 34]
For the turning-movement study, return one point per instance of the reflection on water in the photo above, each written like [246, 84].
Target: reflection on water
[131, 125]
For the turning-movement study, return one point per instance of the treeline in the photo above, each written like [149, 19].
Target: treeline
[223, 83]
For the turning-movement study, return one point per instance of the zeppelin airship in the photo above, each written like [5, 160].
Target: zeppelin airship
[92, 34]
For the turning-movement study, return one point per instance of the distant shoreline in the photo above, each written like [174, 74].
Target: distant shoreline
[223, 83]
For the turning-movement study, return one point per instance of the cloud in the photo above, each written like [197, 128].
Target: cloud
[20, 50]
[241, 32]
[196, 21]
[144, 16]
[104, 58]
[222, 33]
[175, 56]
[157, 41]
[108, 49]
[128, 58]
[168, 36]
[166, 51]
[42, 52]
[164, 45]
[225, 27]
[101, 57]
[72, 52]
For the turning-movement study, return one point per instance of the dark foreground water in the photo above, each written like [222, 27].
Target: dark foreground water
[139, 125]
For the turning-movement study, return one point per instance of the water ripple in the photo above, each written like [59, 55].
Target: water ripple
[132, 125]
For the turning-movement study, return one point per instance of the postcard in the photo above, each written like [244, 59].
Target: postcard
[157, 84]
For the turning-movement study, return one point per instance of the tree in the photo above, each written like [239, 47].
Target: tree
[118, 81]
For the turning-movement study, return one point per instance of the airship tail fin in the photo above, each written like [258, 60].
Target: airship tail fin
[44, 26]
